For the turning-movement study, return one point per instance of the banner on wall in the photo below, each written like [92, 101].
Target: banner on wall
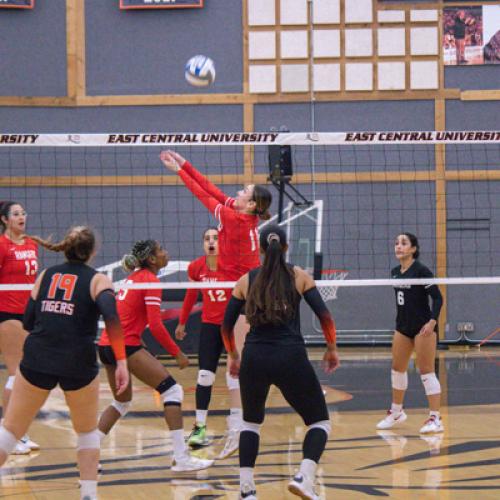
[160, 4]
[17, 4]
[471, 35]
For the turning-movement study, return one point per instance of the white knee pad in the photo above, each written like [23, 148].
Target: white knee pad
[173, 396]
[121, 407]
[251, 427]
[232, 383]
[399, 380]
[206, 378]
[322, 424]
[431, 384]
[88, 440]
[7, 440]
[10, 382]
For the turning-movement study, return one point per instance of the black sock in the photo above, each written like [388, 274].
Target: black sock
[249, 448]
[314, 444]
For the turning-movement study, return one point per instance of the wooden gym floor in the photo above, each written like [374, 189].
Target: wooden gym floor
[359, 462]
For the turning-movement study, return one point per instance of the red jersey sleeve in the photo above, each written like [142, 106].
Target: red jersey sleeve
[3, 252]
[205, 184]
[191, 295]
[152, 299]
[187, 306]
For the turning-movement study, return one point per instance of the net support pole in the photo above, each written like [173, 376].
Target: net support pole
[312, 99]
[441, 227]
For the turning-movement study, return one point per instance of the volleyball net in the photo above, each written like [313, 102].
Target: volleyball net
[343, 198]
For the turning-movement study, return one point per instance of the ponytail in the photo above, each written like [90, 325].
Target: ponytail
[263, 198]
[129, 262]
[78, 244]
[272, 297]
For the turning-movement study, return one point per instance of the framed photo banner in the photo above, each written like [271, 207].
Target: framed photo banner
[160, 4]
[17, 4]
[471, 35]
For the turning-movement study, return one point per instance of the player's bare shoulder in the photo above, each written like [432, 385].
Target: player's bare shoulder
[99, 283]
[303, 280]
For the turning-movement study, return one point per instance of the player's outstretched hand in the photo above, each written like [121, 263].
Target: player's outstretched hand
[180, 332]
[234, 366]
[331, 360]
[122, 376]
[172, 160]
[180, 159]
[182, 360]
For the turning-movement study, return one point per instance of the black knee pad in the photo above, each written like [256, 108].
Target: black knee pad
[166, 384]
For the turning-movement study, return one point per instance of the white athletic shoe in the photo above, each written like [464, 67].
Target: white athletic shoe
[189, 463]
[432, 424]
[21, 449]
[29, 443]
[231, 445]
[392, 419]
[303, 486]
[248, 491]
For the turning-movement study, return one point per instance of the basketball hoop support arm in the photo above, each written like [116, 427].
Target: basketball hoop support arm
[280, 183]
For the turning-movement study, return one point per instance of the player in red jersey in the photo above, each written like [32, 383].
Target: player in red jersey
[137, 309]
[238, 217]
[238, 247]
[205, 269]
[18, 264]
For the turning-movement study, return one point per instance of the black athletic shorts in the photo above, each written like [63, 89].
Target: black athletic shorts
[6, 316]
[107, 356]
[48, 381]
[411, 334]
[288, 368]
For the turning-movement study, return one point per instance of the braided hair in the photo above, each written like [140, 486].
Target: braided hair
[77, 245]
[139, 255]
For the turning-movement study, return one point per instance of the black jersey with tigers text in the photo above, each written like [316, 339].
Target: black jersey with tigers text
[283, 334]
[62, 339]
[412, 301]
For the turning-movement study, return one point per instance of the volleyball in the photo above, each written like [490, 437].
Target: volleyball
[200, 71]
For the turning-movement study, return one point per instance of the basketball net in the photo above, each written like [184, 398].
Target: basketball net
[329, 292]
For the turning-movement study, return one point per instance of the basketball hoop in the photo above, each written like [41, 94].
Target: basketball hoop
[329, 292]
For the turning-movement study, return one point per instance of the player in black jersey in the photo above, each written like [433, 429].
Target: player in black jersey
[275, 353]
[416, 330]
[61, 316]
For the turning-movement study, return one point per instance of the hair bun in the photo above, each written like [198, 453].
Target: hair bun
[129, 262]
